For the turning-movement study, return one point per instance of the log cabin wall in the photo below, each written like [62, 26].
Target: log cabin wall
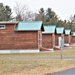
[67, 39]
[56, 39]
[26, 40]
[70, 37]
[7, 37]
[47, 40]
[73, 39]
[11, 39]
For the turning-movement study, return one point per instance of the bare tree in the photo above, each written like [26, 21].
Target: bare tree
[29, 16]
[22, 13]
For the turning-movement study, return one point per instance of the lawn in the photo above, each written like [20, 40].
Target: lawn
[66, 51]
[36, 67]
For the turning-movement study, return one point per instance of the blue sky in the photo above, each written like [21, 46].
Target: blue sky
[63, 8]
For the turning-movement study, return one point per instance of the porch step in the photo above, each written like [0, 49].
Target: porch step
[44, 49]
[66, 45]
[56, 48]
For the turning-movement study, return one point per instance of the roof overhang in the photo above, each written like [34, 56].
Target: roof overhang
[26, 30]
[8, 22]
[47, 33]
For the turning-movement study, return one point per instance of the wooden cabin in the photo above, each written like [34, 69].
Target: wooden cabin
[48, 37]
[21, 37]
[7, 36]
[67, 37]
[73, 38]
[59, 35]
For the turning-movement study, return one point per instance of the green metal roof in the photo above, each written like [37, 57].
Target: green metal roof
[67, 31]
[49, 29]
[60, 30]
[29, 25]
[73, 33]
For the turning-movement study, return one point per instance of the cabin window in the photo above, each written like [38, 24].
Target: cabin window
[2, 26]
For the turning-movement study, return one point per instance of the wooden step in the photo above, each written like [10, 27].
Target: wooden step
[56, 48]
[44, 49]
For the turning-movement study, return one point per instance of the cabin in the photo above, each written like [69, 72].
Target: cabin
[48, 37]
[21, 37]
[58, 37]
[73, 38]
[67, 37]
[7, 36]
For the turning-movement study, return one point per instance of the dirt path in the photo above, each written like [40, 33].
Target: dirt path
[39, 58]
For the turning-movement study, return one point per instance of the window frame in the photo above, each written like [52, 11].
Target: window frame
[3, 27]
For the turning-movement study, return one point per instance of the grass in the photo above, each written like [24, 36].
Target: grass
[65, 52]
[36, 67]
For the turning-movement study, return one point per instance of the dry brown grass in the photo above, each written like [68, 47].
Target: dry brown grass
[36, 67]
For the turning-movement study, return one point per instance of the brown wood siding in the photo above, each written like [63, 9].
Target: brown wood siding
[26, 40]
[53, 37]
[6, 37]
[57, 38]
[70, 39]
[10, 39]
[66, 38]
[47, 41]
[73, 39]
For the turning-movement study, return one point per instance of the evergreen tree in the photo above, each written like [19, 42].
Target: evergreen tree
[5, 13]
